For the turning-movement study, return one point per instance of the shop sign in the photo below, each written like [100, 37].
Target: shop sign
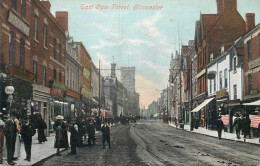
[86, 92]
[201, 73]
[9, 90]
[73, 94]
[57, 92]
[221, 93]
[19, 73]
[86, 73]
[18, 23]
[211, 75]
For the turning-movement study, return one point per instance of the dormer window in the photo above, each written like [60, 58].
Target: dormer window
[222, 48]
[211, 57]
[235, 63]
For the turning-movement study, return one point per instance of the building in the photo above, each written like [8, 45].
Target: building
[15, 56]
[85, 79]
[95, 85]
[212, 32]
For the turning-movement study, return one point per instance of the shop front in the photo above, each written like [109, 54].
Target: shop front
[86, 100]
[58, 104]
[74, 104]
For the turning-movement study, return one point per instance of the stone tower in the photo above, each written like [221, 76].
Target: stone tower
[128, 78]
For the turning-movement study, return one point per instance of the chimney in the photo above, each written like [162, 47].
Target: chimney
[47, 4]
[113, 70]
[62, 18]
[250, 21]
[229, 5]
[219, 6]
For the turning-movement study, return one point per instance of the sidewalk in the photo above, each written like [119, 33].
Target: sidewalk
[214, 133]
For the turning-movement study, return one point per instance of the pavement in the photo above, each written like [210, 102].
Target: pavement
[213, 133]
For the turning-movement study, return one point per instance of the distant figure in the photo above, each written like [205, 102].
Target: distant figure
[220, 126]
[91, 133]
[41, 127]
[73, 139]
[18, 138]
[237, 125]
[197, 121]
[27, 132]
[105, 135]
[247, 127]
[192, 124]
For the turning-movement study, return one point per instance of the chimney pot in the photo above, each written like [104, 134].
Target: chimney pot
[250, 21]
[47, 4]
[62, 18]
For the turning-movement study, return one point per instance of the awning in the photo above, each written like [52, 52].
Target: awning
[256, 103]
[202, 105]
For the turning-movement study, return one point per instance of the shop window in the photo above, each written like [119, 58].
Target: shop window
[14, 4]
[235, 91]
[45, 35]
[54, 74]
[226, 78]
[54, 48]
[12, 49]
[220, 80]
[23, 6]
[36, 20]
[249, 50]
[22, 53]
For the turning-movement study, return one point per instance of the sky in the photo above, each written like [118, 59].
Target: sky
[144, 39]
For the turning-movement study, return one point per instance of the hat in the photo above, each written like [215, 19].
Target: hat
[59, 117]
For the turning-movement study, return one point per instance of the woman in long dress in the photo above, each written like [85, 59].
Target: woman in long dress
[18, 138]
[41, 127]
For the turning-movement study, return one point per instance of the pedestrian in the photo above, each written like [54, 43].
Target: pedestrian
[64, 128]
[73, 139]
[220, 126]
[2, 134]
[80, 132]
[58, 136]
[27, 132]
[197, 121]
[247, 127]
[18, 138]
[105, 135]
[237, 125]
[10, 135]
[41, 127]
[192, 124]
[91, 133]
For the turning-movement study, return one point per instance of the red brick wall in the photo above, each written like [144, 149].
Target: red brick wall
[54, 30]
[8, 28]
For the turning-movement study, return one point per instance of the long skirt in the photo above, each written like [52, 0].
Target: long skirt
[17, 146]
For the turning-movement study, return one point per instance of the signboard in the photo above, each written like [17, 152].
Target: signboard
[9, 90]
[86, 92]
[86, 73]
[19, 24]
[25, 75]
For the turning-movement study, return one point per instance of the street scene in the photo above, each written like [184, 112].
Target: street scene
[129, 82]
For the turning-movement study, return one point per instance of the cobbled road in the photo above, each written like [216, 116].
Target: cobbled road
[155, 143]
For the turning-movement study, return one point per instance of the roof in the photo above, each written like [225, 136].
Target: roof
[208, 20]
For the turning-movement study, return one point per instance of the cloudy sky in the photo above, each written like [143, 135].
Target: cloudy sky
[141, 38]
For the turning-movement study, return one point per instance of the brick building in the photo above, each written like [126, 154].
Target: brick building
[252, 59]
[47, 59]
[15, 55]
[85, 77]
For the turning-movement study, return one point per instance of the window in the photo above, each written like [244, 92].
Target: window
[220, 80]
[35, 68]
[44, 76]
[35, 27]
[60, 76]
[22, 53]
[235, 91]
[211, 57]
[210, 86]
[12, 49]
[249, 50]
[250, 83]
[235, 64]
[215, 84]
[54, 48]
[13, 4]
[60, 53]
[45, 35]
[222, 48]
[225, 77]
[54, 74]
[23, 8]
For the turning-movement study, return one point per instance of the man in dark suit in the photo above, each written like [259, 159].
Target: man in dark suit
[10, 134]
[27, 132]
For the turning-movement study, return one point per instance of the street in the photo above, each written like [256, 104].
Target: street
[155, 143]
